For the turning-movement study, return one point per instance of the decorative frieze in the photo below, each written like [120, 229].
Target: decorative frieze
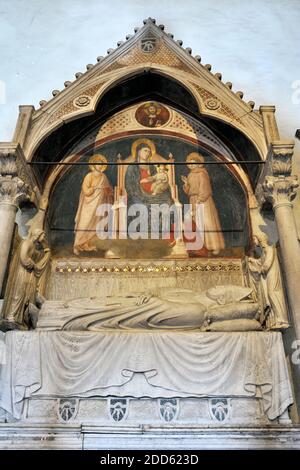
[114, 410]
[218, 266]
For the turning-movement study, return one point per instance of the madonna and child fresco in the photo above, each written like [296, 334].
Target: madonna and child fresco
[168, 199]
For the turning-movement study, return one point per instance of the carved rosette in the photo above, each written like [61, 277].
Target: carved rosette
[82, 101]
[212, 103]
[280, 190]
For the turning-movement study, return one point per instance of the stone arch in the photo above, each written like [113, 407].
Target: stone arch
[88, 116]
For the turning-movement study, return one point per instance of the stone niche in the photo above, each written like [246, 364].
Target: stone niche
[112, 341]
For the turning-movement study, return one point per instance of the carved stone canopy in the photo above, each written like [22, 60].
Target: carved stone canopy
[153, 52]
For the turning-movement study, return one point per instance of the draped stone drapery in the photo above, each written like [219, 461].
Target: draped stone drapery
[188, 364]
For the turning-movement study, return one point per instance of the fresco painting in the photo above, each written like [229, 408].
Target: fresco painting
[155, 171]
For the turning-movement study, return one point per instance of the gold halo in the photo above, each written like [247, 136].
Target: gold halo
[197, 157]
[154, 104]
[147, 142]
[98, 159]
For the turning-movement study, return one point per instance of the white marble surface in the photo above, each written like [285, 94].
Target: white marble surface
[140, 437]
[86, 364]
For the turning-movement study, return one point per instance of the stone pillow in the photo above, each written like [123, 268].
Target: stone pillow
[244, 324]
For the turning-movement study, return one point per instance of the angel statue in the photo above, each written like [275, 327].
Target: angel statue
[267, 282]
[26, 283]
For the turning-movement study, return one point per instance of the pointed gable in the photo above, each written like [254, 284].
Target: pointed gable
[149, 49]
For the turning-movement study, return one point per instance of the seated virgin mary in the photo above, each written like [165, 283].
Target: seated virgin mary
[139, 182]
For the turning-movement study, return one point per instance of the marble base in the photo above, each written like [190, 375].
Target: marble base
[120, 411]
[58, 394]
[89, 437]
[136, 367]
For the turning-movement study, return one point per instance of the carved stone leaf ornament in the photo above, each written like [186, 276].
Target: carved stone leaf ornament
[280, 190]
[13, 190]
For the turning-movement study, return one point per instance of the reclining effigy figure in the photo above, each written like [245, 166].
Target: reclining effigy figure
[221, 308]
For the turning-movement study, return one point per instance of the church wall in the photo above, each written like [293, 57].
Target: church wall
[265, 63]
[196, 336]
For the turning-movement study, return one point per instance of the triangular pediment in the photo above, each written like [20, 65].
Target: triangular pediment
[149, 49]
[149, 46]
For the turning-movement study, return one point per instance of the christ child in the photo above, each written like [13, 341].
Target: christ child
[160, 180]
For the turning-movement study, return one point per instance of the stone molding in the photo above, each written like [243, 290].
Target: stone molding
[64, 436]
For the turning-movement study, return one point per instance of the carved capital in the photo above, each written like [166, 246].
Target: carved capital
[17, 182]
[282, 153]
[280, 190]
[13, 190]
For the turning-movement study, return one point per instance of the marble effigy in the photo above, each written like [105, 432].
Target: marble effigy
[220, 308]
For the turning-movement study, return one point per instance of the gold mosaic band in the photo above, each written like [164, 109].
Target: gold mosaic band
[150, 268]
